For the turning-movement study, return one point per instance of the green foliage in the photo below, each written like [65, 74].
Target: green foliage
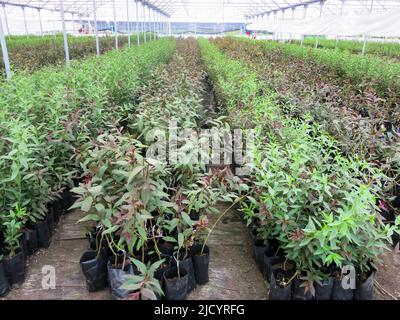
[319, 204]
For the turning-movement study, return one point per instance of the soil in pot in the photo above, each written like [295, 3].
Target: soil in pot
[281, 286]
[187, 264]
[15, 268]
[201, 262]
[4, 285]
[94, 267]
[43, 233]
[300, 292]
[365, 285]
[176, 284]
[338, 292]
[166, 248]
[117, 277]
[159, 273]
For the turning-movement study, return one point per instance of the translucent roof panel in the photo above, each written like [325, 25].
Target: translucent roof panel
[214, 10]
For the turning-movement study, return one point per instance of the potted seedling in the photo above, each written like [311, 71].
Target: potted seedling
[200, 254]
[143, 285]
[14, 261]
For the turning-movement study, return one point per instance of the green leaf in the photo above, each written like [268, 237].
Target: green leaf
[86, 204]
[90, 217]
[186, 218]
[140, 265]
[180, 240]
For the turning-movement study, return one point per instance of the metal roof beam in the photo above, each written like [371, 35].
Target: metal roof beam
[302, 4]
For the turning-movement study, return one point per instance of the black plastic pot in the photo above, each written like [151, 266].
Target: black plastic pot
[365, 289]
[176, 288]
[31, 240]
[269, 260]
[259, 249]
[15, 269]
[187, 264]
[324, 290]
[159, 273]
[200, 263]
[339, 293]
[277, 292]
[50, 210]
[94, 267]
[4, 285]
[50, 221]
[116, 278]
[299, 292]
[57, 209]
[43, 233]
[24, 245]
[67, 200]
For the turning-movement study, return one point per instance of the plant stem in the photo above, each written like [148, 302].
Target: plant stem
[219, 219]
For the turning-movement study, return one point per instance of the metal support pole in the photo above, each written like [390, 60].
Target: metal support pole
[115, 25]
[342, 7]
[302, 40]
[64, 29]
[40, 22]
[137, 23]
[6, 21]
[316, 41]
[154, 24]
[96, 32]
[169, 27]
[150, 34]
[144, 22]
[73, 24]
[293, 9]
[26, 26]
[305, 12]
[364, 45]
[52, 22]
[129, 24]
[4, 51]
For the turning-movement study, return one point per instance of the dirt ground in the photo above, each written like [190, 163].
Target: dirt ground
[233, 272]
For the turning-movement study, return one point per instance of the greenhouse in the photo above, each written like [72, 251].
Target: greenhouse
[200, 150]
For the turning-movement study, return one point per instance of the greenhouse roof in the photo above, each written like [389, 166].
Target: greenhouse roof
[211, 10]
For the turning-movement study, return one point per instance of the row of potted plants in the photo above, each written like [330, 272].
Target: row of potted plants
[309, 206]
[22, 235]
[305, 88]
[390, 50]
[47, 118]
[29, 54]
[148, 215]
